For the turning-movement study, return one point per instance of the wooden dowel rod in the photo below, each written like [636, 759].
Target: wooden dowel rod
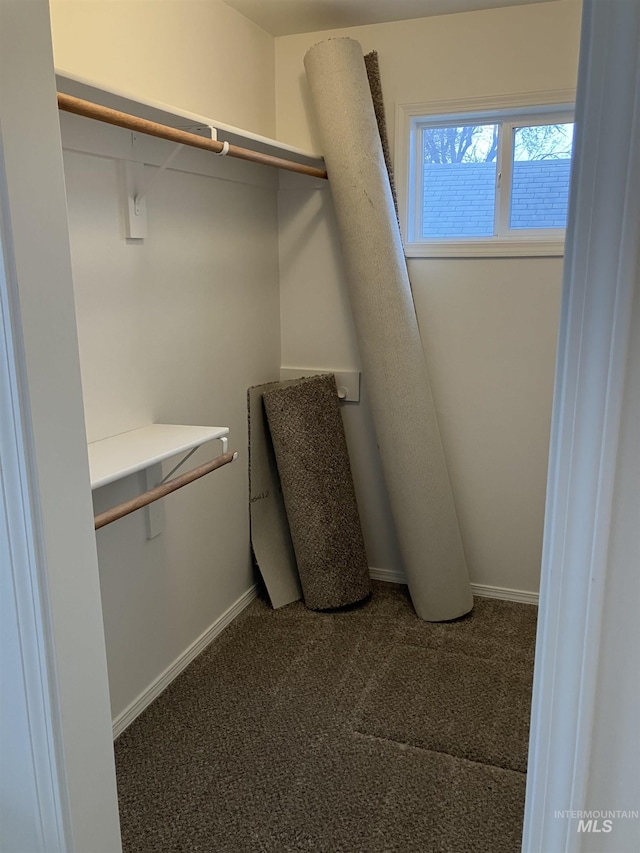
[90, 110]
[160, 491]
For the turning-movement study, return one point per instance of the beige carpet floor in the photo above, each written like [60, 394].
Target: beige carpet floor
[362, 731]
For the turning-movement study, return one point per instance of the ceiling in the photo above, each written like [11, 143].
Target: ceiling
[285, 17]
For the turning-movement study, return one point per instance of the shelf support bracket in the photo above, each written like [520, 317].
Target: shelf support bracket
[154, 513]
[140, 196]
[137, 191]
[225, 446]
[175, 467]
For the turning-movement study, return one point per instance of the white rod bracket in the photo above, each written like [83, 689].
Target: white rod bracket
[154, 513]
[207, 130]
[137, 189]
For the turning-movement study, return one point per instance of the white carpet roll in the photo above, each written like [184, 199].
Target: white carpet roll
[389, 340]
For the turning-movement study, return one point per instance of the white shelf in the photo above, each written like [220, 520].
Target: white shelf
[91, 90]
[120, 455]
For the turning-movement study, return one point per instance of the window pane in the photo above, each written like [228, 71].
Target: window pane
[459, 181]
[540, 180]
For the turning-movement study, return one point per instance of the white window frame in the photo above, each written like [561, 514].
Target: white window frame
[551, 107]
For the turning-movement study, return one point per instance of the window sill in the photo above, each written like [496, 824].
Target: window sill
[486, 249]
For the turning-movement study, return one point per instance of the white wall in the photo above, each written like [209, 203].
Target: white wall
[467, 55]
[197, 54]
[171, 329]
[489, 326]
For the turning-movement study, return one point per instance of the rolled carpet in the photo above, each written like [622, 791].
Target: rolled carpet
[313, 463]
[391, 352]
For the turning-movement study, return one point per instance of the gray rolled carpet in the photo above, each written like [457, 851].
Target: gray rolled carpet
[393, 361]
[313, 464]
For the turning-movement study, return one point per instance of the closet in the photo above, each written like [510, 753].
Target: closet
[224, 274]
[175, 265]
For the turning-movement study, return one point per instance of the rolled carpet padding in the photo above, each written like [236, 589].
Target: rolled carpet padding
[313, 463]
[270, 537]
[391, 351]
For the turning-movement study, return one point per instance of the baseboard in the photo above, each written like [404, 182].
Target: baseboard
[155, 689]
[479, 589]
[387, 575]
[522, 596]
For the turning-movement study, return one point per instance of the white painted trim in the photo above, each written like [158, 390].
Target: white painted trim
[59, 787]
[387, 575]
[492, 247]
[602, 269]
[540, 245]
[522, 596]
[39, 782]
[123, 720]
[525, 101]
[479, 589]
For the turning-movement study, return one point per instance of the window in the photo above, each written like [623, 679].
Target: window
[494, 182]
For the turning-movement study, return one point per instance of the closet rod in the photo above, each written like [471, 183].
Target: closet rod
[90, 110]
[163, 489]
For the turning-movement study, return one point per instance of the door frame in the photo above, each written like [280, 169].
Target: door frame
[601, 275]
[57, 767]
